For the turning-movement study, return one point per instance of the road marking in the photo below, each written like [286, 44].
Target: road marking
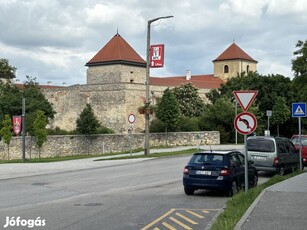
[180, 223]
[194, 214]
[186, 218]
[168, 226]
[157, 220]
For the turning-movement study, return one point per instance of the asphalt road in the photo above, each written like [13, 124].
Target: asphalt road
[138, 194]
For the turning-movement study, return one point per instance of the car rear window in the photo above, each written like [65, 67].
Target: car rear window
[215, 159]
[260, 145]
[295, 140]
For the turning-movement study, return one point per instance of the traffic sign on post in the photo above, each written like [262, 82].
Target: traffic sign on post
[245, 98]
[299, 109]
[245, 123]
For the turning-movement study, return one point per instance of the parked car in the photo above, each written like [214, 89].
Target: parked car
[274, 154]
[295, 141]
[217, 170]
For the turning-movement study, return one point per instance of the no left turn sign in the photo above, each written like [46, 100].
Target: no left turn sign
[245, 123]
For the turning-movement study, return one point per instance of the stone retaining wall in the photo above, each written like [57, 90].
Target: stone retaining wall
[97, 144]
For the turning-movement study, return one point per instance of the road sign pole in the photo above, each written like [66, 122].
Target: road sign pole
[300, 142]
[245, 163]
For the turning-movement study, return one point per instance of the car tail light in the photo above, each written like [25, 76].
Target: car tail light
[185, 170]
[224, 172]
[275, 161]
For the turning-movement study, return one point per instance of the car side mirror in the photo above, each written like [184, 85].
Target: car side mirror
[251, 162]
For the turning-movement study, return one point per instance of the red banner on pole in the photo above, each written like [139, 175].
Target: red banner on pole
[156, 56]
[17, 124]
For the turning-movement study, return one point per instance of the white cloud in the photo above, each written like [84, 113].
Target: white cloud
[54, 39]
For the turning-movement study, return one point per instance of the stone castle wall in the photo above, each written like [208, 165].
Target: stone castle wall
[102, 144]
[111, 103]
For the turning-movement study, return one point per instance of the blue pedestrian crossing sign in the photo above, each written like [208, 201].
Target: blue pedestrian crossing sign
[299, 109]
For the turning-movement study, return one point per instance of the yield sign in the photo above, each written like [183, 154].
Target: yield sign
[245, 97]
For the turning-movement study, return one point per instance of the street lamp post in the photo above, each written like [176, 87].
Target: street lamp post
[147, 81]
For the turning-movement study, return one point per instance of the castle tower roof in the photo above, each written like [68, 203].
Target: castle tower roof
[234, 52]
[117, 51]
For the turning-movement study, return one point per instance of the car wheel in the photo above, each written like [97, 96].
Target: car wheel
[281, 171]
[188, 191]
[233, 189]
[255, 181]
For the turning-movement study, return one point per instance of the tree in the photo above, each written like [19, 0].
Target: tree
[299, 66]
[39, 130]
[10, 100]
[87, 123]
[269, 89]
[6, 71]
[280, 113]
[6, 132]
[35, 100]
[190, 103]
[168, 110]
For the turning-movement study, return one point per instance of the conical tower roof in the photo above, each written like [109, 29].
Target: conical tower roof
[234, 52]
[117, 51]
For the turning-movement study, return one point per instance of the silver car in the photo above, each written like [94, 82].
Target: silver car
[275, 154]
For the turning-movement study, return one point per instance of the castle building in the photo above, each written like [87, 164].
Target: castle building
[115, 85]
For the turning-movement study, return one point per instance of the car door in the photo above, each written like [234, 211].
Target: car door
[239, 168]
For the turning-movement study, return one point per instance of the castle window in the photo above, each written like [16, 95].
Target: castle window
[247, 68]
[226, 69]
[131, 81]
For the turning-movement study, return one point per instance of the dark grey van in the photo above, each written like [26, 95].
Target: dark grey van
[275, 154]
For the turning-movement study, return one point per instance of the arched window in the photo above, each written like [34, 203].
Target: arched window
[247, 68]
[226, 69]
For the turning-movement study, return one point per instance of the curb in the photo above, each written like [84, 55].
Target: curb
[248, 212]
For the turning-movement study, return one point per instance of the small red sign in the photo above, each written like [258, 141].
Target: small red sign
[156, 56]
[17, 124]
[245, 123]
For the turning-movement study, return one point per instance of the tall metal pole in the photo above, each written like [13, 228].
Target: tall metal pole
[146, 149]
[300, 141]
[245, 164]
[23, 129]
[236, 111]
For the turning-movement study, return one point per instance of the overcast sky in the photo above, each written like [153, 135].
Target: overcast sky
[53, 40]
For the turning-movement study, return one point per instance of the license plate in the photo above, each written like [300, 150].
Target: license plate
[259, 158]
[203, 172]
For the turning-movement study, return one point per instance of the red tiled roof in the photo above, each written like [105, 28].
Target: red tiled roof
[234, 52]
[117, 51]
[199, 81]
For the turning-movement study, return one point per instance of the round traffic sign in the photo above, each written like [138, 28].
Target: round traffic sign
[131, 118]
[245, 123]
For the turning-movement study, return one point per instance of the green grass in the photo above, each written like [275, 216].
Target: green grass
[164, 154]
[238, 204]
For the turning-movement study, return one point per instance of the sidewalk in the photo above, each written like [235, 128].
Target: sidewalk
[17, 170]
[281, 206]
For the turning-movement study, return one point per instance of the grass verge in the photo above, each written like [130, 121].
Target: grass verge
[66, 158]
[238, 204]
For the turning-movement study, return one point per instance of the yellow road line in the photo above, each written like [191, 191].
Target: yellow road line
[186, 218]
[156, 228]
[194, 214]
[205, 211]
[180, 223]
[170, 227]
[157, 220]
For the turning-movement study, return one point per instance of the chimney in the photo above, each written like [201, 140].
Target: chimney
[188, 75]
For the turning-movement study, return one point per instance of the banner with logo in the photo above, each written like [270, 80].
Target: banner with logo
[156, 56]
[17, 124]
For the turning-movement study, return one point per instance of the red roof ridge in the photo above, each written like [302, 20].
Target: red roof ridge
[234, 52]
[117, 51]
